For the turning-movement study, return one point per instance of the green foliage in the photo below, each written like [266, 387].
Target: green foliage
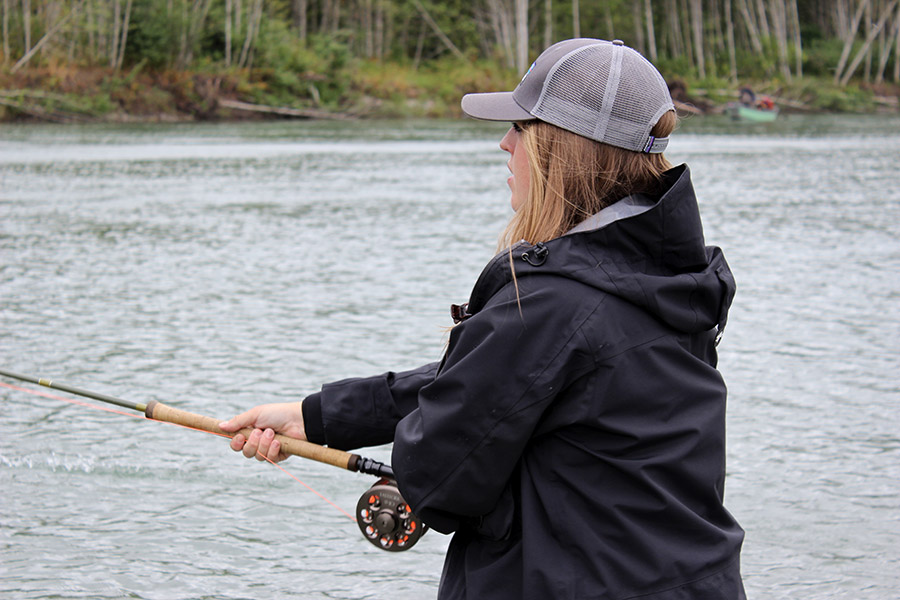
[754, 65]
[401, 90]
[826, 96]
[62, 106]
[152, 36]
[288, 73]
[98, 105]
[821, 56]
[456, 18]
[15, 42]
[718, 90]
[675, 67]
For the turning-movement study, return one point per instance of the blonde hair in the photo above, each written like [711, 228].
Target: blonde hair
[573, 178]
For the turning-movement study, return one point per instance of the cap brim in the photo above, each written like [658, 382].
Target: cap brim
[495, 106]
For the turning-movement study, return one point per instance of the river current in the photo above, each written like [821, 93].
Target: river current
[217, 266]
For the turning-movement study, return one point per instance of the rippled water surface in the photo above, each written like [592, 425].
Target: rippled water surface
[214, 267]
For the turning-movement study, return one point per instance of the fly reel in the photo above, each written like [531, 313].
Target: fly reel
[385, 518]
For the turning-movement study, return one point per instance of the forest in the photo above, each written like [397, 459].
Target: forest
[65, 60]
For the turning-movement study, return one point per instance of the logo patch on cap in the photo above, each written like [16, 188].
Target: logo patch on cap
[527, 72]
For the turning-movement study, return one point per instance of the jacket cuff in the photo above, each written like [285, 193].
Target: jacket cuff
[312, 418]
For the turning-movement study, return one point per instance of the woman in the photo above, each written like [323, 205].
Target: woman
[572, 437]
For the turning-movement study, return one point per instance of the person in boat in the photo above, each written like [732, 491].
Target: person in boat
[748, 98]
[572, 438]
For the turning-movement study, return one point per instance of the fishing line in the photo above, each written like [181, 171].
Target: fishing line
[69, 400]
[134, 416]
[383, 516]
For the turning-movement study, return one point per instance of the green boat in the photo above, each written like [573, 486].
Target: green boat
[740, 112]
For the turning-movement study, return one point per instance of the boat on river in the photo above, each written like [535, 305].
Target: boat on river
[753, 109]
[741, 112]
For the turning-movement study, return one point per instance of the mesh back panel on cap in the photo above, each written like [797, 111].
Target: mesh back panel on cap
[631, 121]
[572, 100]
[607, 93]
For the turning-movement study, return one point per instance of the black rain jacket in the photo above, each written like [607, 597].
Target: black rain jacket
[573, 437]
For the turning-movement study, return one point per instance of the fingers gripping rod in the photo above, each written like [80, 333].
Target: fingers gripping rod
[331, 456]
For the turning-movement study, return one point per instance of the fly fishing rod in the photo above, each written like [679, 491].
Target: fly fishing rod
[383, 516]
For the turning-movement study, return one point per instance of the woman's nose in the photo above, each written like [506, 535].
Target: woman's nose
[508, 142]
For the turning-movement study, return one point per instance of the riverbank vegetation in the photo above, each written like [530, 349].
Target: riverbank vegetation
[71, 60]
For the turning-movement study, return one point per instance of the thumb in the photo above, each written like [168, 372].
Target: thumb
[245, 419]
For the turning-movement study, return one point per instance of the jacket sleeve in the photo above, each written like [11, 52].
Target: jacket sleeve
[361, 412]
[456, 452]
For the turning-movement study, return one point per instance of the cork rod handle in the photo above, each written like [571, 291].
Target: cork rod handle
[338, 458]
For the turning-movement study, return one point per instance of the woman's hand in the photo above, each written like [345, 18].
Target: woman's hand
[266, 420]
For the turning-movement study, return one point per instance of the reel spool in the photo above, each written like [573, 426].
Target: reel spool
[385, 518]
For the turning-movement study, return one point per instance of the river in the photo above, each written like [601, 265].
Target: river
[217, 266]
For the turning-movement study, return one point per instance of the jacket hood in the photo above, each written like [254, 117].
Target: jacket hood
[653, 256]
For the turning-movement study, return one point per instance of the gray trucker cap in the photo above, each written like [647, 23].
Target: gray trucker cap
[604, 91]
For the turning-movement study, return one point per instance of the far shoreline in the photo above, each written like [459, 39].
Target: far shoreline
[92, 95]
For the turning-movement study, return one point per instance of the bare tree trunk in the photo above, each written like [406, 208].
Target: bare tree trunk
[501, 22]
[845, 78]
[729, 33]
[637, 19]
[750, 24]
[336, 17]
[368, 29]
[325, 20]
[576, 20]
[697, 26]
[798, 41]
[420, 44]
[779, 30]
[26, 23]
[521, 36]
[548, 23]
[73, 37]
[487, 39]
[897, 54]
[229, 7]
[867, 70]
[89, 17]
[676, 40]
[607, 16]
[763, 21]
[5, 32]
[126, 20]
[850, 37]
[102, 40]
[300, 9]
[686, 26]
[886, 49]
[404, 32]
[252, 28]
[840, 18]
[651, 35]
[183, 41]
[257, 17]
[114, 40]
[379, 29]
[718, 43]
